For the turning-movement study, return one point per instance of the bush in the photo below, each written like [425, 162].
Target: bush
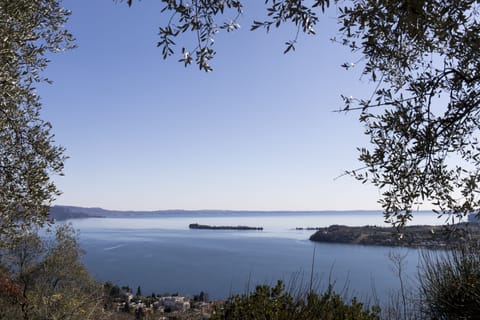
[275, 303]
[450, 283]
[44, 278]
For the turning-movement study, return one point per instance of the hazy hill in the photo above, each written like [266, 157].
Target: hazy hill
[64, 213]
[71, 212]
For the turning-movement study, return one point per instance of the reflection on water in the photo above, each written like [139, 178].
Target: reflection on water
[162, 255]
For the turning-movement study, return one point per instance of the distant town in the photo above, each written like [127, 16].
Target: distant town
[129, 304]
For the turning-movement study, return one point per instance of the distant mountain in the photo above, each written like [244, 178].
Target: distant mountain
[64, 213]
[59, 212]
[71, 212]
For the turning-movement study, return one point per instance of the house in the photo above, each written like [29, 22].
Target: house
[175, 303]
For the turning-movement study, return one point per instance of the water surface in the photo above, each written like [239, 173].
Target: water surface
[160, 254]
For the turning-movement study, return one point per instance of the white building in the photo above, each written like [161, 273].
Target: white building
[175, 303]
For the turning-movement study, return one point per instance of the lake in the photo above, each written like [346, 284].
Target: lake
[162, 255]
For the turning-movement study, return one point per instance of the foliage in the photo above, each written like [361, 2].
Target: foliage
[422, 118]
[275, 303]
[450, 284]
[29, 30]
[199, 18]
[201, 297]
[207, 18]
[112, 293]
[139, 291]
[48, 280]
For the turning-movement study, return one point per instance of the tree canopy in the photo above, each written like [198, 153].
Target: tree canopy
[422, 117]
[29, 30]
[44, 278]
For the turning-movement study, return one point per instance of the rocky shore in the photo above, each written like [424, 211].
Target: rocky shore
[431, 237]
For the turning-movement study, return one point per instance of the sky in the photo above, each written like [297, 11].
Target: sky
[257, 133]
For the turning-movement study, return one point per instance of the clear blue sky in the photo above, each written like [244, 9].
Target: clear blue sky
[256, 134]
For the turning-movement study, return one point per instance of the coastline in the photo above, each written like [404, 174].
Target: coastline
[424, 236]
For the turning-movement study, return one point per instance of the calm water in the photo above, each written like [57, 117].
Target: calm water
[162, 255]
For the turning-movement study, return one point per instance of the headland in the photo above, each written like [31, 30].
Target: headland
[431, 237]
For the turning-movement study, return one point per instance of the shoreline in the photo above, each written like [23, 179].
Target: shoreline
[423, 236]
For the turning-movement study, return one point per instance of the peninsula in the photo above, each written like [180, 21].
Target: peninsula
[431, 237]
[207, 227]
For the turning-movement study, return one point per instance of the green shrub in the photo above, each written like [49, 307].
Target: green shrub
[275, 303]
[44, 278]
[450, 284]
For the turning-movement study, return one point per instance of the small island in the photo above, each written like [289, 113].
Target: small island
[431, 237]
[207, 227]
